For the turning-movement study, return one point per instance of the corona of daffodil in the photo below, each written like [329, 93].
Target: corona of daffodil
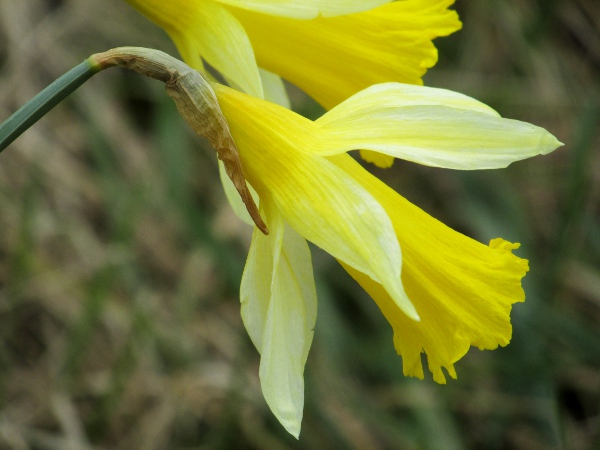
[329, 48]
[441, 291]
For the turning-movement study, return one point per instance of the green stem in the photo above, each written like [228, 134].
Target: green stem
[38, 106]
[193, 95]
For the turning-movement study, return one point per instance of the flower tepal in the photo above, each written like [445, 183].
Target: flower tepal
[329, 48]
[440, 290]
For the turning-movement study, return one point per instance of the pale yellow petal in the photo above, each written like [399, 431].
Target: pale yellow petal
[305, 9]
[333, 58]
[434, 127]
[279, 309]
[390, 97]
[320, 201]
[206, 30]
[463, 290]
[274, 88]
[255, 289]
[233, 196]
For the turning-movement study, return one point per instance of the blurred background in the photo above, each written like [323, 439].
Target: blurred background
[120, 260]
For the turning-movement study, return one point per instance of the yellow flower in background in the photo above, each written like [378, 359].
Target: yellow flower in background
[329, 48]
[440, 290]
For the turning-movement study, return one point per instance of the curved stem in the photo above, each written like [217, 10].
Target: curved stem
[193, 95]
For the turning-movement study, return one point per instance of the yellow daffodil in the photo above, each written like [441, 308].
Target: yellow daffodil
[329, 48]
[440, 290]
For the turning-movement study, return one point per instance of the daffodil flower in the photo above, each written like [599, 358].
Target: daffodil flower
[329, 48]
[441, 291]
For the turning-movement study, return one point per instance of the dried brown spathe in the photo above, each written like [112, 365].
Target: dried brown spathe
[196, 102]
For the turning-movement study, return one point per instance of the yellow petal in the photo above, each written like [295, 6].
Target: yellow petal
[333, 58]
[274, 88]
[275, 92]
[320, 201]
[462, 289]
[205, 29]
[305, 9]
[434, 127]
[279, 309]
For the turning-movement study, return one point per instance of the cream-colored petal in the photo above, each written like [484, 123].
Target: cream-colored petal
[305, 9]
[323, 203]
[463, 290]
[255, 289]
[332, 58]
[205, 29]
[430, 126]
[289, 332]
[392, 96]
[274, 88]
[398, 95]
[279, 309]
[233, 196]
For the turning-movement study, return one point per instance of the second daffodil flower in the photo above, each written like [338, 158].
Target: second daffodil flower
[329, 48]
[440, 290]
